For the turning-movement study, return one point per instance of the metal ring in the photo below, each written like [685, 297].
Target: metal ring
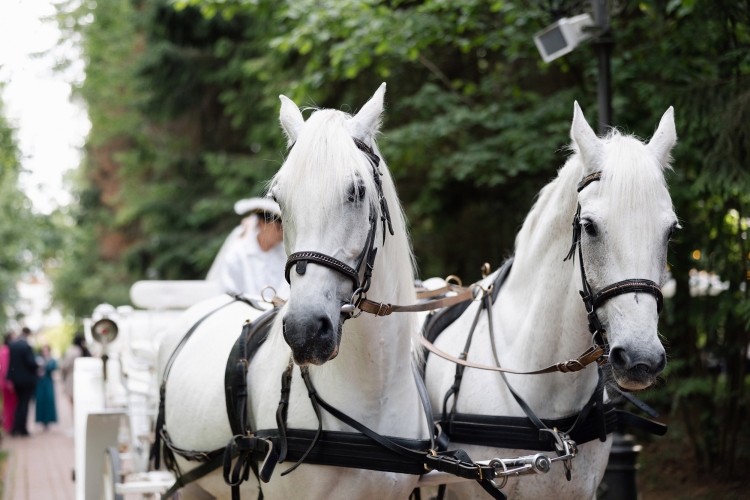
[493, 464]
[455, 279]
[262, 292]
[486, 269]
[362, 295]
[484, 293]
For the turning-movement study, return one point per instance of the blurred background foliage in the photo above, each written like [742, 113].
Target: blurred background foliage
[183, 102]
[29, 240]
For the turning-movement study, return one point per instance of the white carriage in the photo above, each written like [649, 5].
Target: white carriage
[116, 392]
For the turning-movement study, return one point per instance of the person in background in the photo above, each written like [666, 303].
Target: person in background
[77, 350]
[257, 258]
[22, 372]
[10, 401]
[46, 413]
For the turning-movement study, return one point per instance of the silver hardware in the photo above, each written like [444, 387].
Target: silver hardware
[263, 291]
[347, 309]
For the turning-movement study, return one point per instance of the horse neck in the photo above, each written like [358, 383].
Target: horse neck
[552, 326]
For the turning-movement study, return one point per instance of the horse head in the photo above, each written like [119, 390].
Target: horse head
[626, 221]
[330, 193]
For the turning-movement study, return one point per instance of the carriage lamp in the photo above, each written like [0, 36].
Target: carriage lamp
[104, 331]
[563, 36]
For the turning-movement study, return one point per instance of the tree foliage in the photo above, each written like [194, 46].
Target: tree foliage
[22, 232]
[182, 98]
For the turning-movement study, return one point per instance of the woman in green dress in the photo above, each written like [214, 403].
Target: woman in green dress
[45, 390]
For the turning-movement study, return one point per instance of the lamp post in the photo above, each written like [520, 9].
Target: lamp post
[603, 43]
[556, 40]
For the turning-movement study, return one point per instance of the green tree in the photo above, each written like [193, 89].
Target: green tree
[21, 230]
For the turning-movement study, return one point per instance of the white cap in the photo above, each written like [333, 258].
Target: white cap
[256, 206]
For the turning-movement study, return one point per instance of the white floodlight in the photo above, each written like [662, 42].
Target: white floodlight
[562, 36]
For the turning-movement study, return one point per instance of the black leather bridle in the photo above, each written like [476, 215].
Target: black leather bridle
[592, 300]
[366, 258]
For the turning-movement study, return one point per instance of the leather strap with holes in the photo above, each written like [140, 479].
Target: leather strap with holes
[384, 309]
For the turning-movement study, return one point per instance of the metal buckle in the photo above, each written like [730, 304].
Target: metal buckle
[382, 307]
[570, 364]
[434, 454]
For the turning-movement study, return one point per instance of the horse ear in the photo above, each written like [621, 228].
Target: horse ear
[586, 141]
[664, 138]
[291, 119]
[365, 124]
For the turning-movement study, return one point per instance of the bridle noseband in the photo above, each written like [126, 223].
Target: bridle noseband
[366, 258]
[592, 300]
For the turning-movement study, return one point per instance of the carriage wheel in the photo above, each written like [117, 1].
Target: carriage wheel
[111, 474]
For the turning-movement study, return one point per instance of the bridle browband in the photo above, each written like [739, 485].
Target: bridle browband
[592, 300]
[366, 258]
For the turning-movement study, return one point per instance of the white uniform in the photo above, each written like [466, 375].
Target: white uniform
[247, 269]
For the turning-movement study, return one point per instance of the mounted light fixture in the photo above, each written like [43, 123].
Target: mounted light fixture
[563, 36]
[104, 331]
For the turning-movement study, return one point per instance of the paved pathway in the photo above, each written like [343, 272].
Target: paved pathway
[40, 467]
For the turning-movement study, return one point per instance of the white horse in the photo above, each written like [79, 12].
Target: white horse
[327, 194]
[539, 318]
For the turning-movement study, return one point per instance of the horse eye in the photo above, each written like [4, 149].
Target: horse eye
[590, 228]
[356, 193]
[672, 230]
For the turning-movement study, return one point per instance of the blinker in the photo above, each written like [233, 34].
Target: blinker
[301, 266]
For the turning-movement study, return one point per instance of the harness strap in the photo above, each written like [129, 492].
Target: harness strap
[301, 259]
[384, 309]
[629, 286]
[314, 399]
[453, 391]
[455, 462]
[590, 355]
[155, 453]
[426, 406]
[194, 474]
[281, 412]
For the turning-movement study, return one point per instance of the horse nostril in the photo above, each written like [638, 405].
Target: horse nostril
[644, 367]
[325, 326]
[619, 358]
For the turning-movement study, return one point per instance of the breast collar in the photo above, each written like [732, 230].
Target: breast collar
[362, 274]
[593, 301]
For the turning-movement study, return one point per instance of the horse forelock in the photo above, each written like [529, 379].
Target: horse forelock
[632, 177]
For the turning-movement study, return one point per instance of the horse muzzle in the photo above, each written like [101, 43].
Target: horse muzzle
[636, 369]
[313, 337]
